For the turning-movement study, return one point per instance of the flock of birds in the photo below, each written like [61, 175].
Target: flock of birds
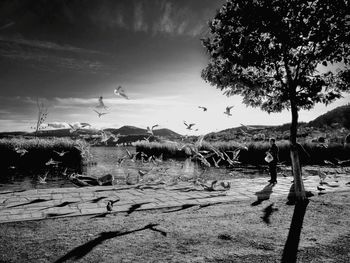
[194, 148]
[214, 155]
[50, 163]
[323, 175]
[101, 109]
[101, 106]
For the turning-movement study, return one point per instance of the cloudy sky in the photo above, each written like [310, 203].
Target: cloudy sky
[68, 53]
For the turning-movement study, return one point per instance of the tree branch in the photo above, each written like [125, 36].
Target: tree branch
[278, 74]
[297, 78]
[299, 64]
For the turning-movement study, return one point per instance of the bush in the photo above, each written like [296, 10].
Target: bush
[39, 152]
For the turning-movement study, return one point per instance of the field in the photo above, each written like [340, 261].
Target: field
[221, 233]
[254, 153]
[34, 153]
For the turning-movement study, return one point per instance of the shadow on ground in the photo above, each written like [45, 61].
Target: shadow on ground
[263, 195]
[290, 250]
[81, 251]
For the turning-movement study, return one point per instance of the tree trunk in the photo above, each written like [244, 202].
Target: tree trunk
[290, 250]
[296, 168]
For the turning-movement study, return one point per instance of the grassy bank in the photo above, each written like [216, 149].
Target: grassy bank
[220, 233]
[315, 152]
[34, 153]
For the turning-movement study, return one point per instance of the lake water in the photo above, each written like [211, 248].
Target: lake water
[105, 158]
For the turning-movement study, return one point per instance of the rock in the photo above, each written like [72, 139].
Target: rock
[106, 180]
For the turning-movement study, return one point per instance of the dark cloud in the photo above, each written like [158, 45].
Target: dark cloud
[74, 46]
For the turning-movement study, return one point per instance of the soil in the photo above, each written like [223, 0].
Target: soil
[233, 232]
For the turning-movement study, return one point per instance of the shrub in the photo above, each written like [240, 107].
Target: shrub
[40, 151]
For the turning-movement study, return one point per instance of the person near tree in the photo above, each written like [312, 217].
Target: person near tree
[272, 159]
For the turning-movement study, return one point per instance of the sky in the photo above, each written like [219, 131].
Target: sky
[68, 53]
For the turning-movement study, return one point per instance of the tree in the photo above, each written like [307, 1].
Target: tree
[277, 55]
[42, 114]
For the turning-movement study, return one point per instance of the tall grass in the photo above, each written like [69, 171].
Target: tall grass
[310, 153]
[169, 150]
[40, 151]
[37, 143]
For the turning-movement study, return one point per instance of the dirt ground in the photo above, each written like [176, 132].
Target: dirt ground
[233, 232]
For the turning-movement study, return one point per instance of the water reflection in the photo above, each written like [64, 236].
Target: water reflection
[105, 158]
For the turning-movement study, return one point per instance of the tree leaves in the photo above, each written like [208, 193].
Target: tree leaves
[272, 49]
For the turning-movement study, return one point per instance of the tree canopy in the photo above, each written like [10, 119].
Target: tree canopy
[278, 52]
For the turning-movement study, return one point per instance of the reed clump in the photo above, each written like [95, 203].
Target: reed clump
[40, 150]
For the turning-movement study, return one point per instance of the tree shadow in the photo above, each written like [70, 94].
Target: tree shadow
[81, 251]
[290, 250]
[35, 201]
[183, 207]
[263, 195]
[134, 207]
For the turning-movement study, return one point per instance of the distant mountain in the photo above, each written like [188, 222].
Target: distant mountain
[336, 118]
[9, 134]
[166, 133]
[63, 133]
[127, 130]
[131, 130]
[335, 121]
[124, 131]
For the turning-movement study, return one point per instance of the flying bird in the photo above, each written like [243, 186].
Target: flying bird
[104, 137]
[203, 108]
[131, 156]
[120, 161]
[84, 124]
[42, 180]
[100, 113]
[73, 128]
[344, 162]
[158, 160]
[100, 104]
[232, 161]
[77, 126]
[120, 92]
[147, 139]
[329, 162]
[228, 111]
[52, 162]
[216, 163]
[235, 154]
[115, 137]
[322, 176]
[189, 126]
[150, 130]
[61, 154]
[20, 151]
[64, 173]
